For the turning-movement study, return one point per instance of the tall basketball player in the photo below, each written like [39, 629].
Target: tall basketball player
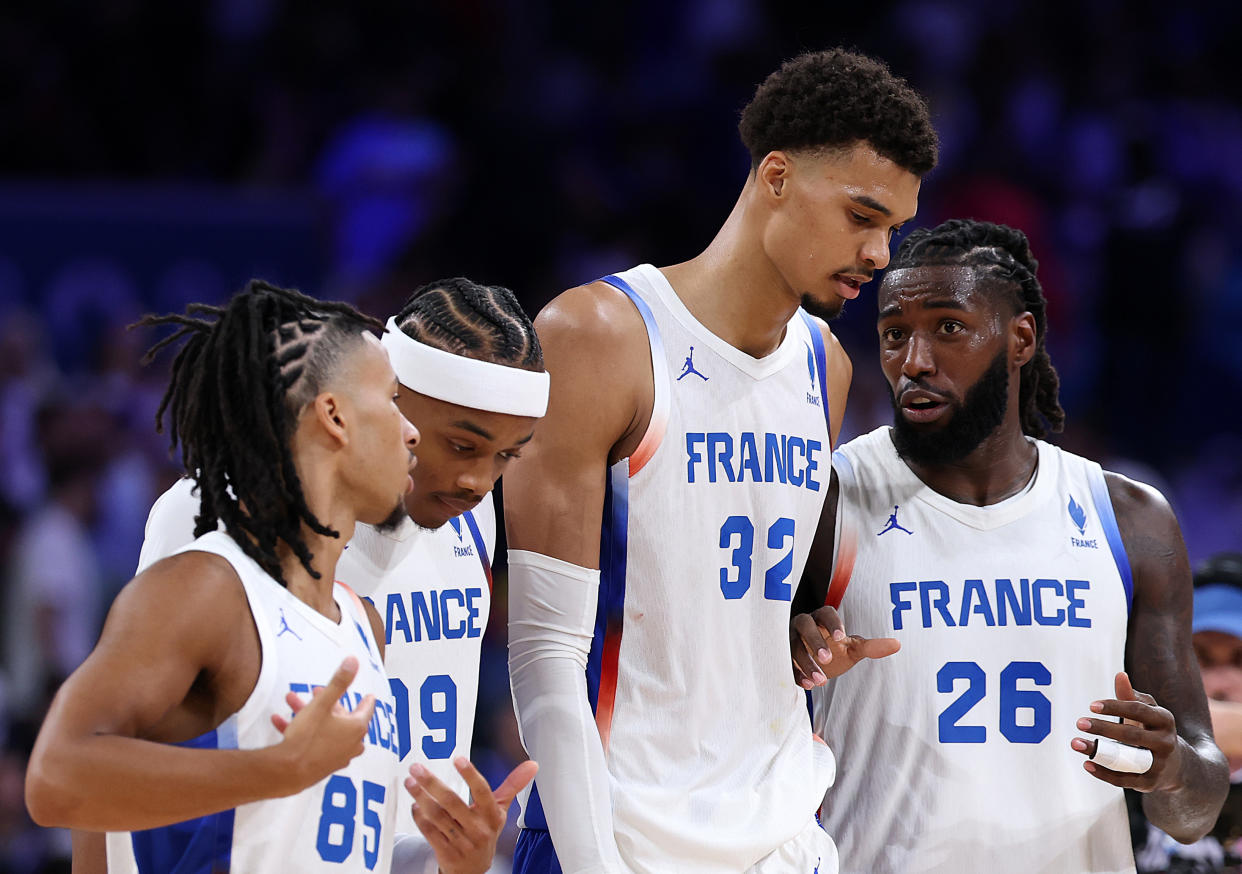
[471, 377]
[660, 524]
[1032, 592]
[287, 405]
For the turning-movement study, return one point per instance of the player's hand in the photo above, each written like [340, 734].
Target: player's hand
[323, 736]
[821, 649]
[463, 836]
[1146, 725]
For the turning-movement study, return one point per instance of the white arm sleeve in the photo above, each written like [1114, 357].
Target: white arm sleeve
[551, 623]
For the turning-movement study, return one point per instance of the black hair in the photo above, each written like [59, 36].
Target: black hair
[1002, 261]
[234, 396]
[485, 322]
[834, 99]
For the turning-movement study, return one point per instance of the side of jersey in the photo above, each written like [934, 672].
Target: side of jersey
[955, 752]
[345, 822]
[706, 530]
[434, 592]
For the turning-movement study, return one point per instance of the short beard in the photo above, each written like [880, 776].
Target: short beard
[822, 310]
[394, 520]
[972, 421]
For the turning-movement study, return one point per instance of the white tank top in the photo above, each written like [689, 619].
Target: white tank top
[434, 592]
[344, 823]
[955, 752]
[705, 533]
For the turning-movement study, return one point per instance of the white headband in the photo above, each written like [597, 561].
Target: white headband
[468, 382]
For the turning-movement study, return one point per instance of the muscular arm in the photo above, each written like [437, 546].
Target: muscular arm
[1161, 660]
[595, 349]
[103, 760]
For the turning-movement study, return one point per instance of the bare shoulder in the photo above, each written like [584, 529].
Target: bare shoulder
[595, 322]
[598, 356]
[195, 596]
[1145, 520]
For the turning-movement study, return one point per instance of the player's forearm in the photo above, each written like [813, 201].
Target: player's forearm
[1189, 812]
[111, 783]
[551, 621]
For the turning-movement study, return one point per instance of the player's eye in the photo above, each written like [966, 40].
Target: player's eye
[892, 335]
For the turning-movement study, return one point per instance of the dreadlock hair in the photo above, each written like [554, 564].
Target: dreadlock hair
[237, 388]
[834, 99]
[1002, 262]
[484, 322]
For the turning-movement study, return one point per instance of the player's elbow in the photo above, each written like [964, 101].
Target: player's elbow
[50, 797]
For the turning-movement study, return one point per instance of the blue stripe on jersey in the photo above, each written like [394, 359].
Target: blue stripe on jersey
[1108, 521]
[612, 560]
[196, 846]
[645, 311]
[478, 542]
[821, 363]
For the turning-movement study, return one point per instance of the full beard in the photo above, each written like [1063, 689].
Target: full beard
[971, 422]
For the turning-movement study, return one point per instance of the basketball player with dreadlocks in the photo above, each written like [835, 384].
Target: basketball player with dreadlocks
[660, 523]
[1038, 600]
[471, 379]
[234, 711]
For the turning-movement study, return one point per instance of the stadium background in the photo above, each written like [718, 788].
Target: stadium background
[153, 154]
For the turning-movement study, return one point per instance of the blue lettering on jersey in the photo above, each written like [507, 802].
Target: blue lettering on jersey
[784, 458]
[1031, 602]
[448, 614]
[382, 730]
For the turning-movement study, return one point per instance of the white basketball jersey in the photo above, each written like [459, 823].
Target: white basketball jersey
[705, 533]
[344, 823]
[955, 752]
[434, 591]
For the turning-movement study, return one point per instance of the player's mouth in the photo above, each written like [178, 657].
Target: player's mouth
[458, 505]
[848, 284]
[919, 405]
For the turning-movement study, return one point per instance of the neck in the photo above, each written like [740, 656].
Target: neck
[732, 287]
[325, 553]
[998, 468]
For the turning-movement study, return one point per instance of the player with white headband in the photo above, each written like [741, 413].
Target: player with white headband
[472, 381]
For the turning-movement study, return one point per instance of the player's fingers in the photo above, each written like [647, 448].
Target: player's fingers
[1122, 687]
[517, 780]
[873, 647]
[830, 620]
[364, 710]
[449, 801]
[1135, 736]
[427, 823]
[480, 792]
[1140, 782]
[295, 702]
[1151, 715]
[280, 722]
[804, 640]
[324, 698]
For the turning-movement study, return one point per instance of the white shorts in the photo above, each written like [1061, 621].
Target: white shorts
[810, 851]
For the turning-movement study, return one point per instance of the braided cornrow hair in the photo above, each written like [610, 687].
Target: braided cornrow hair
[1001, 256]
[484, 322]
[237, 387]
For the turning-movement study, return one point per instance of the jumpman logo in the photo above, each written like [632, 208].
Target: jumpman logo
[284, 626]
[688, 367]
[893, 523]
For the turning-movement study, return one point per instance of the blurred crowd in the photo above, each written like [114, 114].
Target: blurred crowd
[158, 153]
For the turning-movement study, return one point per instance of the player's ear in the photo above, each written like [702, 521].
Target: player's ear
[1022, 340]
[328, 412]
[772, 174]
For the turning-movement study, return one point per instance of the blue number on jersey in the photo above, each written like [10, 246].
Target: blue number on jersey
[776, 585]
[439, 719]
[1012, 699]
[337, 814]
